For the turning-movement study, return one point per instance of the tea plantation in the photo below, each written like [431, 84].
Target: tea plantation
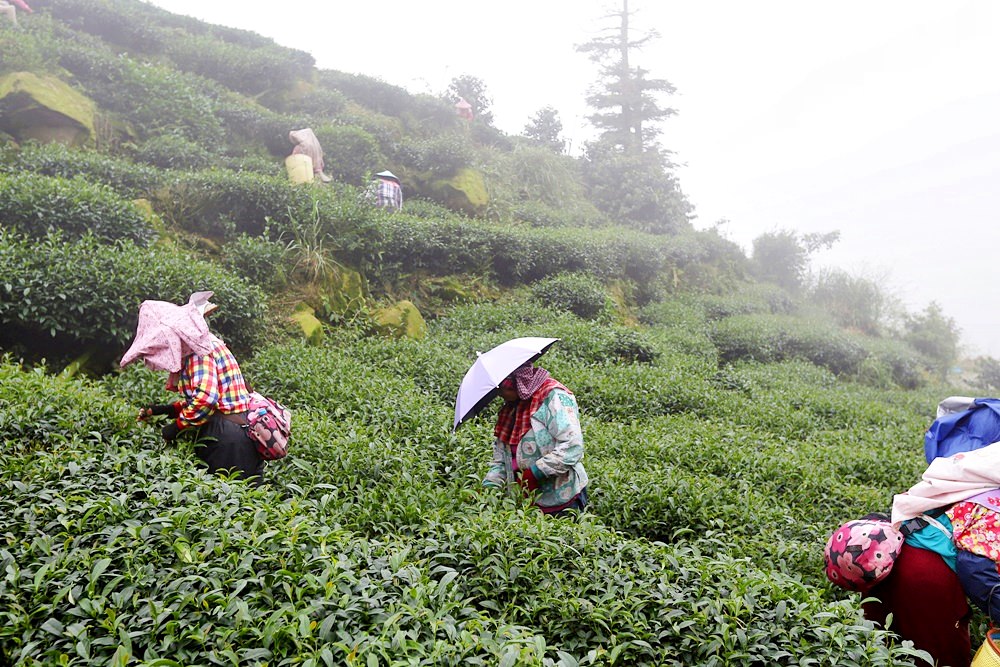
[375, 544]
[730, 425]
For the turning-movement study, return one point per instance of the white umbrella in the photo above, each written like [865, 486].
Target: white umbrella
[482, 381]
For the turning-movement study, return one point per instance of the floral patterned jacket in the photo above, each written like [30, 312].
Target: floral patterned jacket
[552, 448]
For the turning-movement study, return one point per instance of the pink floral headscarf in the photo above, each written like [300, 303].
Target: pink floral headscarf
[861, 553]
[167, 333]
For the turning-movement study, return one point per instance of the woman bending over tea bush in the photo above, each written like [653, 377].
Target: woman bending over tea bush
[539, 442]
[214, 396]
[907, 575]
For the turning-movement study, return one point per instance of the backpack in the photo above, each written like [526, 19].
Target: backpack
[269, 425]
[962, 425]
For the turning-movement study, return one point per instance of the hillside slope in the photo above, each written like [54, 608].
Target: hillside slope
[729, 426]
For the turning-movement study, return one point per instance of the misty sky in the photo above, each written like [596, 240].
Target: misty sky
[877, 119]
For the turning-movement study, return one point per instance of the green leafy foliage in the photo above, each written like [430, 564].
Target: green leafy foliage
[257, 259]
[781, 257]
[374, 539]
[726, 434]
[770, 338]
[440, 156]
[935, 335]
[581, 294]
[36, 205]
[60, 291]
[155, 99]
[169, 151]
[636, 190]
[124, 176]
[351, 152]
[250, 71]
[515, 255]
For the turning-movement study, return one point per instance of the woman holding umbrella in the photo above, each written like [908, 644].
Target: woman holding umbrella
[539, 443]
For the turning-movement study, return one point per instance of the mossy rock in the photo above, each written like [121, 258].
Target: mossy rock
[344, 292]
[310, 326]
[465, 191]
[400, 320]
[45, 109]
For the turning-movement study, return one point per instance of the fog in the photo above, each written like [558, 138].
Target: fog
[875, 119]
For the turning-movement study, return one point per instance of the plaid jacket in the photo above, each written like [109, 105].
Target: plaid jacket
[209, 383]
[388, 194]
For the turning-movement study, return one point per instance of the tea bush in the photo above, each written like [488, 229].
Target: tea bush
[375, 543]
[155, 99]
[257, 259]
[125, 177]
[581, 294]
[891, 362]
[350, 153]
[441, 156]
[42, 412]
[168, 151]
[515, 255]
[371, 93]
[250, 71]
[26, 50]
[36, 205]
[55, 289]
[208, 202]
[320, 102]
[481, 326]
[776, 338]
[681, 325]
[118, 22]
[748, 300]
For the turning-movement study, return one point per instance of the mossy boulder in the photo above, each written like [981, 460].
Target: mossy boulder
[400, 320]
[465, 191]
[45, 109]
[305, 317]
[344, 292]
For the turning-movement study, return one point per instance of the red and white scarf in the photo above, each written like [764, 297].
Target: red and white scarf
[514, 418]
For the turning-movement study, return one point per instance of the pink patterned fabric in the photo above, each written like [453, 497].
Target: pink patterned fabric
[167, 333]
[861, 553]
[948, 480]
[976, 528]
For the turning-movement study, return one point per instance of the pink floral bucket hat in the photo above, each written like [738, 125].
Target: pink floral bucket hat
[861, 553]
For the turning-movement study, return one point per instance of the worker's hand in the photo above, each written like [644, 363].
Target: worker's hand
[527, 480]
[156, 409]
[170, 431]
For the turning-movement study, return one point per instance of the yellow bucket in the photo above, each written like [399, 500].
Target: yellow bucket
[299, 168]
[988, 654]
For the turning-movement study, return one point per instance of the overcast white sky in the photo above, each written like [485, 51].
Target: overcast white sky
[877, 119]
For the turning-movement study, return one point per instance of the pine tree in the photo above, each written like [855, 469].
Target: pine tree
[624, 99]
[545, 129]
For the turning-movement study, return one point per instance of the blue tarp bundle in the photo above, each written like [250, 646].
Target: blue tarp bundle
[964, 431]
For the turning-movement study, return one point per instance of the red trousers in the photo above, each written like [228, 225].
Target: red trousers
[927, 604]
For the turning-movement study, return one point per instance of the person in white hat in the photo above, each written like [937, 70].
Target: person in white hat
[387, 191]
